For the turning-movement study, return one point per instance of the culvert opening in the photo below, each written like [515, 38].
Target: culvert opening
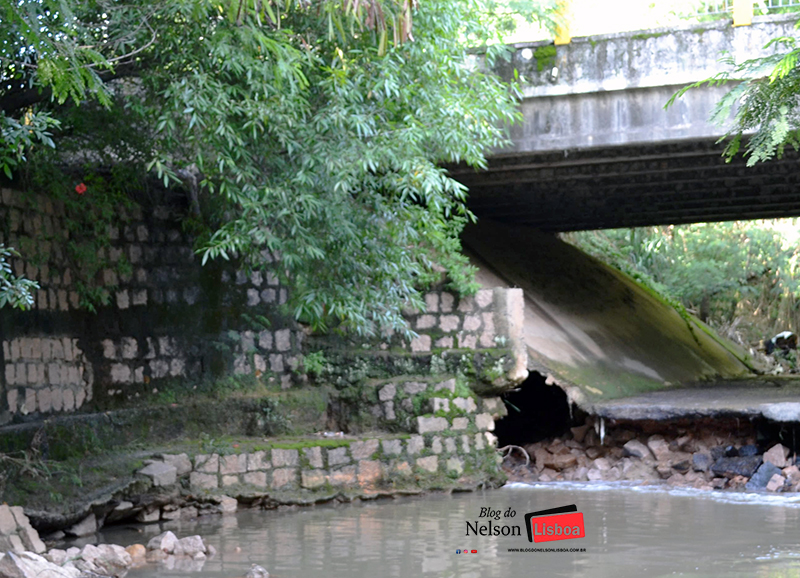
[536, 411]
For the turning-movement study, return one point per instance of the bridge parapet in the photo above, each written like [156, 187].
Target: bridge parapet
[611, 89]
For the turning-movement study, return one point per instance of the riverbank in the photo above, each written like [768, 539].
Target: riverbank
[721, 454]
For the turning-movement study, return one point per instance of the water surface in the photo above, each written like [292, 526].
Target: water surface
[630, 531]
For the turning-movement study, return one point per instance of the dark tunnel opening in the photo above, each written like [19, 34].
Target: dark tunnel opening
[536, 411]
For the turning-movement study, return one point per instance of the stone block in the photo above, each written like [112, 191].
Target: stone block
[338, 456]
[400, 469]
[268, 296]
[426, 322]
[444, 343]
[449, 385]
[129, 347]
[466, 404]
[265, 340]
[121, 373]
[421, 343]
[455, 465]
[311, 479]
[370, 472]
[484, 298]
[496, 407]
[283, 458]
[253, 297]
[201, 481]
[446, 302]
[472, 322]
[392, 447]
[450, 445]
[414, 387]
[436, 445]
[449, 323]
[123, 299]
[465, 445]
[363, 450]
[276, 363]
[479, 442]
[207, 463]
[415, 444]
[248, 341]
[440, 404]
[12, 398]
[230, 480]
[467, 341]
[460, 423]
[181, 462]
[283, 340]
[29, 405]
[428, 464]
[45, 399]
[283, 477]
[314, 456]
[387, 392]
[345, 476]
[233, 464]
[432, 303]
[257, 461]
[258, 479]
[431, 424]
[162, 474]
[139, 297]
[69, 399]
[388, 410]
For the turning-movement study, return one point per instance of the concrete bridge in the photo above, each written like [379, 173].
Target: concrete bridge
[598, 150]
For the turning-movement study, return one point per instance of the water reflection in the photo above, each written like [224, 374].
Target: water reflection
[629, 532]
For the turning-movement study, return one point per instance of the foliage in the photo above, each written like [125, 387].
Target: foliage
[763, 101]
[14, 291]
[741, 274]
[312, 131]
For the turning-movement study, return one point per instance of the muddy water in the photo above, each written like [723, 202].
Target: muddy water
[629, 532]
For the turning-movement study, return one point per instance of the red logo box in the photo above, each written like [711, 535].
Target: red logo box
[564, 523]
[560, 527]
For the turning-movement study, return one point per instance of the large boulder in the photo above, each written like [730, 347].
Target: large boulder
[731, 467]
[30, 565]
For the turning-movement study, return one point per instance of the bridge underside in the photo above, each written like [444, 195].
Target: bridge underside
[631, 186]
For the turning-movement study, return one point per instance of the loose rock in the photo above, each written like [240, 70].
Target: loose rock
[763, 475]
[776, 455]
[637, 449]
[165, 542]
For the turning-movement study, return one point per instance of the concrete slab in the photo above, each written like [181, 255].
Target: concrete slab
[592, 330]
[776, 399]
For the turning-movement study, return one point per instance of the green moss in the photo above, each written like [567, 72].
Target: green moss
[545, 57]
[648, 35]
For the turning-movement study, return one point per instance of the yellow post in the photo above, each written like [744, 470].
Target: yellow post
[564, 18]
[742, 12]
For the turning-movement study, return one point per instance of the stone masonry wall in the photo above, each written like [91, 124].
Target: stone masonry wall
[169, 320]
